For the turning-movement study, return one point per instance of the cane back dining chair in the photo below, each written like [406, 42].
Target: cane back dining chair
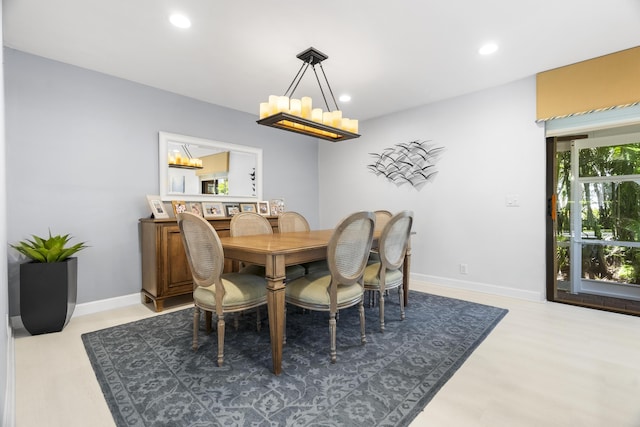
[215, 292]
[382, 218]
[387, 273]
[341, 286]
[249, 224]
[290, 222]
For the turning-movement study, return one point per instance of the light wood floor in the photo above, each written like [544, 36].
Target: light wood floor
[545, 364]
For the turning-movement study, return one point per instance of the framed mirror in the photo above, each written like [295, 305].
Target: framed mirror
[197, 169]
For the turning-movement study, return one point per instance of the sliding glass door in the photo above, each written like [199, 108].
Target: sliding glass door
[597, 217]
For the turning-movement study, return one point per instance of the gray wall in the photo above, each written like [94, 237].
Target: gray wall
[82, 153]
[493, 148]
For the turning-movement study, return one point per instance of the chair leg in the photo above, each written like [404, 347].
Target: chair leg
[196, 321]
[220, 339]
[284, 329]
[363, 336]
[332, 336]
[381, 308]
[401, 294]
[258, 322]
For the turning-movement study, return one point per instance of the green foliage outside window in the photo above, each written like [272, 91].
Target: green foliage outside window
[610, 210]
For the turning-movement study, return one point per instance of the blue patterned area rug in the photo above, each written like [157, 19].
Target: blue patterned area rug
[150, 376]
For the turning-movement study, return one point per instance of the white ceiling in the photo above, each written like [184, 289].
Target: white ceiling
[388, 55]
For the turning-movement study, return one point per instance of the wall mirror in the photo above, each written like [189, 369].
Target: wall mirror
[197, 169]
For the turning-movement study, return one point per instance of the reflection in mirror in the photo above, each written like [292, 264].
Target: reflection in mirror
[201, 169]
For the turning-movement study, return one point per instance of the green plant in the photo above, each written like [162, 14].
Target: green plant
[50, 250]
[627, 273]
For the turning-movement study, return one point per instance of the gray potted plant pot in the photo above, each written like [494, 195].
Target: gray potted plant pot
[48, 283]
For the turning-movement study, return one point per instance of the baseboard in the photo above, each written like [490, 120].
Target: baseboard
[10, 392]
[477, 287]
[93, 307]
[133, 299]
[106, 304]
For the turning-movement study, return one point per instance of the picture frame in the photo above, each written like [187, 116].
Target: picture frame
[213, 210]
[157, 207]
[195, 208]
[277, 206]
[263, 208]
[179, 206]
[232, 209]
[248, 207]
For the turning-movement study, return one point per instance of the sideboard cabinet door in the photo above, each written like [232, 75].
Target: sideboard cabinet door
[178, 274]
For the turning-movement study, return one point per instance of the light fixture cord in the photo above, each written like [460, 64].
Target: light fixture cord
[328, 85]
[320, 85]
[298, 77]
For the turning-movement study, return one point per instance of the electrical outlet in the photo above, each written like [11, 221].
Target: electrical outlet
[464, 269]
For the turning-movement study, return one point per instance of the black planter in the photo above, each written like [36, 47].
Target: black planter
[48, 294]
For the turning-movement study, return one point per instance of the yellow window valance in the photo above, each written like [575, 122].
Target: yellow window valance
[606, 82]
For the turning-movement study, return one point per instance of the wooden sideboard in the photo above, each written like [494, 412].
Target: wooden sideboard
[165, 270]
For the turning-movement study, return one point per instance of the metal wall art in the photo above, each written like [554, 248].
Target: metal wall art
[412, 162]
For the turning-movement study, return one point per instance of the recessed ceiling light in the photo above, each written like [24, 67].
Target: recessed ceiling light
[345, 98]
[180, 21]
[488, 49]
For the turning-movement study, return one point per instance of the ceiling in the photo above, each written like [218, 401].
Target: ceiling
[389, 56]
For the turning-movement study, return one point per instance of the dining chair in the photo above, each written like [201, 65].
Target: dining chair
[387, 273]
[382, 218]
[289, 222]
[249, 224]
[215, 292]
[292, 221]
[341, 286]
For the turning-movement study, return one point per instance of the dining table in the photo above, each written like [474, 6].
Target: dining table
[277, 251]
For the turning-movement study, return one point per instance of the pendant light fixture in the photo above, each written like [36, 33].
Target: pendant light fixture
[298, 115]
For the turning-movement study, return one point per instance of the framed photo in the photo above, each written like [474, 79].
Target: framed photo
[263, 208]
[213, 210]
[194, 208]
[179, 206]
[232, 209]
[248, 207]
[157, 207]
[277, 206]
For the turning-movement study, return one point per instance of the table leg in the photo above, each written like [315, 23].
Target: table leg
[276, 307]
[406, 269]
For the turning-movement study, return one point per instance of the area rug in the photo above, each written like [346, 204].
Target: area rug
[150, 376]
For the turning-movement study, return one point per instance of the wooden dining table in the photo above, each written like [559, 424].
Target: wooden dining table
[275, 252]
